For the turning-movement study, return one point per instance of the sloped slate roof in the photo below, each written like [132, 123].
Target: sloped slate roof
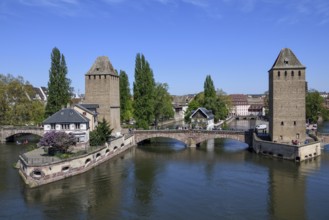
[102, 66]
[90, 108]
[206, 112]
[66, 115]
[287, 59]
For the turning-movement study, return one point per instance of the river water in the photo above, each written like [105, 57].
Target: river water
[166, 180]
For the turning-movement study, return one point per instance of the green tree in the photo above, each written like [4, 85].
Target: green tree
[163, 103]
[210, 101]
[143, 87]
[17, 106]
[125, 98]
[195, 103]
[315, 107]
[59, 91]
[101, 134]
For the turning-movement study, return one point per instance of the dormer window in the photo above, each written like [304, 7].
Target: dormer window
[97, 69]
[286, 61]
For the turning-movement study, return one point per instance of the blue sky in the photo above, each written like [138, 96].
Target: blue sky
[234, 41]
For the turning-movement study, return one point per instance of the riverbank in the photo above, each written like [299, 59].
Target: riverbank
[37, 169]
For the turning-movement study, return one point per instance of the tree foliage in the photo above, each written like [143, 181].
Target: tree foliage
[17, 106]
[144, 98]
[315, 107]
[163, 109]
[57, 141]
[59, 90]
[101, 134]
[125, 98]
[216, 101]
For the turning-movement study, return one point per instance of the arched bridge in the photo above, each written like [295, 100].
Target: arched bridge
[193, 137]
[7, 132]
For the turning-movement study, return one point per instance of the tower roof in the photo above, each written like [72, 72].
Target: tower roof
[102, 66]
[287, 59]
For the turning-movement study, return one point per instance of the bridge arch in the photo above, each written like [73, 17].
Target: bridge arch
[192, 137]
[7, 133]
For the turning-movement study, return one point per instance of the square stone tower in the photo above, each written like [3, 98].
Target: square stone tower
[102, 88]
[287, 99]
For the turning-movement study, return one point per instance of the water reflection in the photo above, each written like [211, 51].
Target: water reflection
[166, 180]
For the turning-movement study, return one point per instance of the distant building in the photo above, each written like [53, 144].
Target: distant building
[256, 110]
[287, 99]
[102, 88]
[40, 93]
[240, 105]
[70, 121]
[180, 105]
[202, 118]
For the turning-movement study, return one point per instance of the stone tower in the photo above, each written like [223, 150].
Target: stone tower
[287, 99]
[102, 88]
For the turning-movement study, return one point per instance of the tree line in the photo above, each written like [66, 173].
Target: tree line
[150, 103]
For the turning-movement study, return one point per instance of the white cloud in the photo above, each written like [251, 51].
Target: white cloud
[199, 3]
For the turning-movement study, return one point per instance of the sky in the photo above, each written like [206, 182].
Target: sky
[234, 41]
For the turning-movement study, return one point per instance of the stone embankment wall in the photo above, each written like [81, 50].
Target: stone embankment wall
[287, 151]
[47, 172]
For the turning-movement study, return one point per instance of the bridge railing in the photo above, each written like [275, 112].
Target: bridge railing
[171, 131]
[39, 160]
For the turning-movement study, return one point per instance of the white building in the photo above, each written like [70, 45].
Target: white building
[240, 106]
[69, 121]
[202, 119]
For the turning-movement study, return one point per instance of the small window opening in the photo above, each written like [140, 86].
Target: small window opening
[295, 123]
[282, 123]
[292, 73]
[285, 73]
[279, 74]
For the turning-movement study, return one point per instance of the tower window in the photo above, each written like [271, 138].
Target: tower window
[99, 76]
[292, 73]
[279, 74]
[282, 123]
[295, 123]
[299, 74]
[285, 73]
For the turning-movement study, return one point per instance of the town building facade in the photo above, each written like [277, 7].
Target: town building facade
[70, 121]
[202, 118]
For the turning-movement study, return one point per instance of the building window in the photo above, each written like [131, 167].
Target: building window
[282, 123]
[299, 73]
[292, 73]
[53, 126]
[285, 73]
[281, 137]
[297, 136]
[295, 123]
[279, 74]
[77, 125]
[94, 77]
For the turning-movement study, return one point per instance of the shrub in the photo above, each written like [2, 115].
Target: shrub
[57, 141]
